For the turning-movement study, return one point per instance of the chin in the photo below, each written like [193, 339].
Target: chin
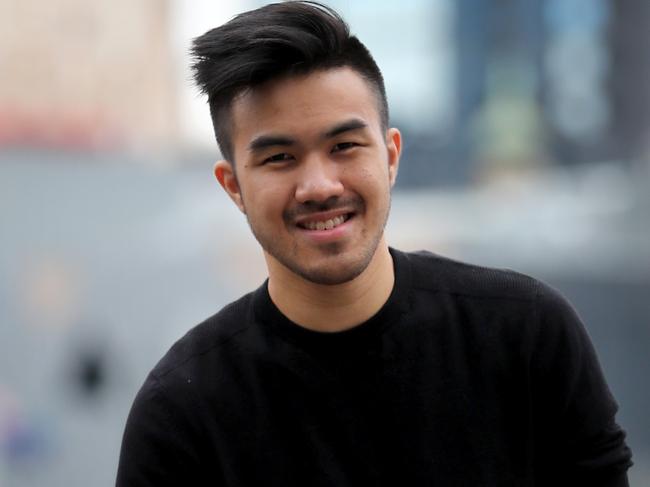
[329, 265]
[330, 277]
[336, 268]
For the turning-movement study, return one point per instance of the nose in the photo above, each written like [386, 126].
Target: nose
[318, 180]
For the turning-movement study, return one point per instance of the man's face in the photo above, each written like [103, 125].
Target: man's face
[314, 172]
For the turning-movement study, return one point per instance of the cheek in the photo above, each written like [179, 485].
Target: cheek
[373, 179]
[267, 200]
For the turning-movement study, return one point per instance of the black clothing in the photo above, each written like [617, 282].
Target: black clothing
[467, 376]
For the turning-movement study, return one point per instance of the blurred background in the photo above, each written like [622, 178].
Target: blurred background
[526, 127]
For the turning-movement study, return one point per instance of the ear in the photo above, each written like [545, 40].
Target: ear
[225, 174]
[394, 146]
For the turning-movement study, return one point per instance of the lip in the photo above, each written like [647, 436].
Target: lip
[321, 216]
[326, 236]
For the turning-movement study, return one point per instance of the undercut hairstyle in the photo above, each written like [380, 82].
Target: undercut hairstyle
[274, 41]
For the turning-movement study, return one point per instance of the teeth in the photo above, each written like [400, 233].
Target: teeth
[325, 225]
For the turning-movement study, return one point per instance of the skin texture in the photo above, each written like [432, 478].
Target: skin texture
[311, 148]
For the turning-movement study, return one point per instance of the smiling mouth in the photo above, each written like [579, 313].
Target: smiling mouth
[326, 224]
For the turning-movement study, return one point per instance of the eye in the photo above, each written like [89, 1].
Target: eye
[278, 158]
[343, 146]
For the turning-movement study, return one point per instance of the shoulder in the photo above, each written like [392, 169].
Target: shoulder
[505, 302]
[492, 299]
[172, 405]
[206, 341]
[440, 274]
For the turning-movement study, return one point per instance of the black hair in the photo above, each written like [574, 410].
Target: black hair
[280, 39]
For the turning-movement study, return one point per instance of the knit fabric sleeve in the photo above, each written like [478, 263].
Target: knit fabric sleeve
[580, 441]
[156, 451]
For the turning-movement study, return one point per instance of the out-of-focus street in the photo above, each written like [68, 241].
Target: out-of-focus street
[105, 265]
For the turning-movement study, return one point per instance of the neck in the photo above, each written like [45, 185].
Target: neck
[331, 308]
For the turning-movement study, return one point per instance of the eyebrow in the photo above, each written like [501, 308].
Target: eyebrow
[264, 141]
[347, 126]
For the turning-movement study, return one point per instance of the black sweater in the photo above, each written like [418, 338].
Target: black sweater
[467, 376]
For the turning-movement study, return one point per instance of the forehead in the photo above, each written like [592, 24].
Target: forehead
[298, 105]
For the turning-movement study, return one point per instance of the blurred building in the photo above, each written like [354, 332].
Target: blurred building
[538, 83]
[478, 87]
[86, 74]
[629, 40]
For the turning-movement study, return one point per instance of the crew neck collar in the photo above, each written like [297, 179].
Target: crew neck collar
[266, 311]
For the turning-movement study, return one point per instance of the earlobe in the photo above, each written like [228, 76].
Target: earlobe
[394, 146]
[225, 174]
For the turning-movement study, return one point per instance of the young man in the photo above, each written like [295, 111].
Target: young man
[356, 364]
